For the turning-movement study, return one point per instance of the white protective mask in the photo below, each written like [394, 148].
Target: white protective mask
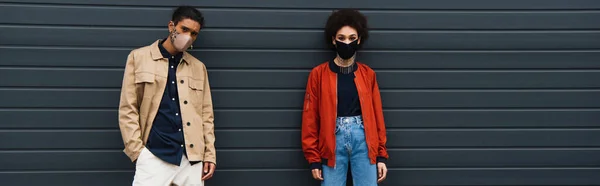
[181, 42]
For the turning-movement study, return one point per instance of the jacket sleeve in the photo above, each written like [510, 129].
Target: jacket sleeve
[210, 153]
[310, 120]
[129, 104]
[378, 108]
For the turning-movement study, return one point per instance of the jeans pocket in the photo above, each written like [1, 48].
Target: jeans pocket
[337, 129]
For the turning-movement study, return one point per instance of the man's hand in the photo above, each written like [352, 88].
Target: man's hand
[209, 170]
[381, 172]
[317, 174]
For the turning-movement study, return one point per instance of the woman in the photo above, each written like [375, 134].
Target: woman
[342, 120]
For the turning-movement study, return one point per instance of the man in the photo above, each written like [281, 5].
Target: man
[165, 110]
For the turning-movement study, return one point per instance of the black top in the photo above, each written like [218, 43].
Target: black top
[166, 136]
[347, 94]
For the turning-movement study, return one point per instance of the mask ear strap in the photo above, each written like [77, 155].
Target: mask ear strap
[172, 23]
[172, 31]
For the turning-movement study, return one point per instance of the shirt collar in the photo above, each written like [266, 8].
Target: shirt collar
[165, 53]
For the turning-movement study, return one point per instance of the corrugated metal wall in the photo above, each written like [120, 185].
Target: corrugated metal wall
[476, 92]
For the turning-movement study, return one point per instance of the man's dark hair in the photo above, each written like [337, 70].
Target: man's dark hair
[187, 12]
[346, 17]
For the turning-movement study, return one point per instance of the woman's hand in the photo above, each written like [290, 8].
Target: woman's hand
[381, 172]
[317, 174]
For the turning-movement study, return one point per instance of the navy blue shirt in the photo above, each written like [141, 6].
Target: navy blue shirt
[166, 136]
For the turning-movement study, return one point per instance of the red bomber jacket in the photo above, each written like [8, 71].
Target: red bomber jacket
[320, 113]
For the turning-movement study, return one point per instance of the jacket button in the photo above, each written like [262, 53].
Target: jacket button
[185, 102]
[181, 81]
[192, 145]
[188, 123]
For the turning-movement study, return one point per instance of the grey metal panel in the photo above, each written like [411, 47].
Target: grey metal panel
[312, 19]
[300, 39]
[60, 77]
[424, 99]
[293, 159]
[59, 119]
[493, 138]
[421, 177]
[492, 98]
[291, 119]
[296, 79]
[475, 79]
[60, 139]
[101, 178]
[408, 4]
[88, 178]
[69, 57]
[424, 158]
[288, 138]
[495, 177]
[480, 118]
[481, 158]
[64, 160]
[306, 59]
[428, 138]
[292, 99]
[60, 98]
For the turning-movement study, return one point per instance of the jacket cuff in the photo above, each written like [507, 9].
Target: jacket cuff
[381, 160]
[133, 154]
[316, 165]
[210, 157]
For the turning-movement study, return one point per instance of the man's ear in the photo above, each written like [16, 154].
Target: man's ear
[171, 26]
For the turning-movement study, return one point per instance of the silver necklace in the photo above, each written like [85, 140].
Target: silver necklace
[346, 70]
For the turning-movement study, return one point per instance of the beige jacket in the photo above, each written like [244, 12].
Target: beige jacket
[144, 82]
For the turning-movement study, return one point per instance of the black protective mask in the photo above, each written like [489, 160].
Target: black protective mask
[346, 51]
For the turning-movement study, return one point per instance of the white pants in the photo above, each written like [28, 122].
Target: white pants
[152, 171]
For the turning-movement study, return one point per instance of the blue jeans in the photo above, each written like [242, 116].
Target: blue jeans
[351, 147]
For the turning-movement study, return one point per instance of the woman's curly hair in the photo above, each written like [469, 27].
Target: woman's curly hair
[346, 17]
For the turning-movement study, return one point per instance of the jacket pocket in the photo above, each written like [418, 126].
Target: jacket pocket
[145, 85]
[196, 90]
[307, 102]
[144, 77]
